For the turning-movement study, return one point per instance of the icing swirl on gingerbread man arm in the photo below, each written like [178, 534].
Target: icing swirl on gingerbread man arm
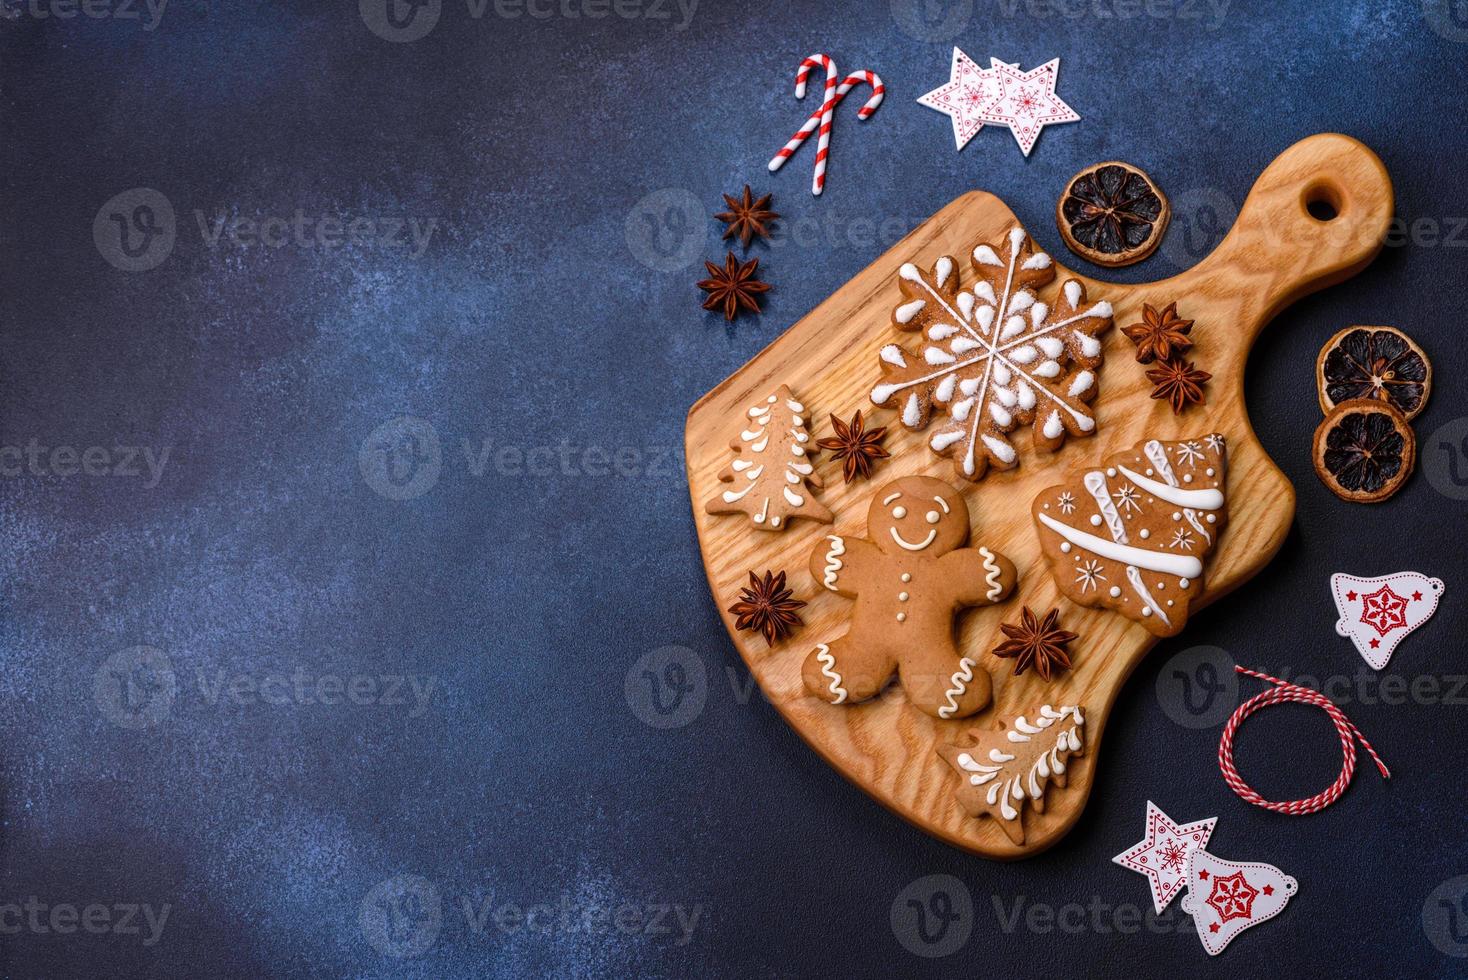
[984, 577]
[837, 562]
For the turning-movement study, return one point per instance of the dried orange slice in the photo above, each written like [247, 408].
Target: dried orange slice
[1112, 214]
[1373, 362]
[1364, 450]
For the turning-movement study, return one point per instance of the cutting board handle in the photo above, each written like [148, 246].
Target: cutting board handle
[1316, 216]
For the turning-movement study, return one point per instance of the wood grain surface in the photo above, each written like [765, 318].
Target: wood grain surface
[1276, 252]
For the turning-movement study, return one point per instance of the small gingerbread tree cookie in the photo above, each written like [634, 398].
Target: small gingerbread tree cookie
[773, 470]
[1003, 769]
[909, 578]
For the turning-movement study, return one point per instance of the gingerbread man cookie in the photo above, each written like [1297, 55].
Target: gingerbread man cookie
[909, 578]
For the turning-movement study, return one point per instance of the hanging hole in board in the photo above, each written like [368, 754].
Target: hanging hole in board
[1322, 202]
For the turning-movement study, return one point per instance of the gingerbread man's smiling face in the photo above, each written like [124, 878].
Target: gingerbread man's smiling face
[918, 515]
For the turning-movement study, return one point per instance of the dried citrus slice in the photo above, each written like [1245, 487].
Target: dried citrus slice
[1112, 214]
[1364, 450]
[1373, 362]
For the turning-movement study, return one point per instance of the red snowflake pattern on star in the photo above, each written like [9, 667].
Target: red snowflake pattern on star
[1384, 610]
[1162, 855]
[1232, 897]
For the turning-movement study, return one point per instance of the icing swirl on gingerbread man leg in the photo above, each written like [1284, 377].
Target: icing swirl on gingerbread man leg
[909, 577]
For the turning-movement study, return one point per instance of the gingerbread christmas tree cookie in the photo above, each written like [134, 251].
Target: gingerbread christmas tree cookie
[1132, 535]
[1004, 769]
[994, 357]
[909, 577]
[773, 475]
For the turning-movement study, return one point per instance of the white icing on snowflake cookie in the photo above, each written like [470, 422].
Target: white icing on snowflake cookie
[994, 358]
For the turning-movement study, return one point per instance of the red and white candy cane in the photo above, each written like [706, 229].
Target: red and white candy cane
[823, 116]
[1282, 691]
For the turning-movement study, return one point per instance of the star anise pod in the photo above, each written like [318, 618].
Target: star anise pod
[734, 286]
[1178, 382]
[767, 607]
[858, 446]
[1036, 644]
[747, 217]
[1159, 335]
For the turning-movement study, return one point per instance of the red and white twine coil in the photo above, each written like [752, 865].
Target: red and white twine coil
[823, 116]
[1280, 692]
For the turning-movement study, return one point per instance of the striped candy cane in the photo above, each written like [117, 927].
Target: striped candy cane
[823, 116]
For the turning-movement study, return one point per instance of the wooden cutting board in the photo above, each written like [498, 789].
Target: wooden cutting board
[1279, 250]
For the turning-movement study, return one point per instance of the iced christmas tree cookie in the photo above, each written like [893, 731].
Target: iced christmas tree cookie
[1132, 535]
[773, 474]
[1004, 769]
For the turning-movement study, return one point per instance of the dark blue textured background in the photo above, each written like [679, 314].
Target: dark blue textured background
[553, 307]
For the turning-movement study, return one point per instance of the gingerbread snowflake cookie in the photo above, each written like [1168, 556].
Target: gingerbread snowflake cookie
[773, 474]
[1132, 535]
[994, 357]
[909, 578]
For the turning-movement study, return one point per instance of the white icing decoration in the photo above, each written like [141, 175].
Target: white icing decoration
[909, 546]
[793, 499]
[828, 668]
[890, 497]
[833, 560]
[959, 683]
[1179, 565]
[907, 311]
[992, 575]
[1193, 499]
[912, 413]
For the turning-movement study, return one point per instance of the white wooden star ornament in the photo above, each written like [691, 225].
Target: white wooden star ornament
[1002, 94]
